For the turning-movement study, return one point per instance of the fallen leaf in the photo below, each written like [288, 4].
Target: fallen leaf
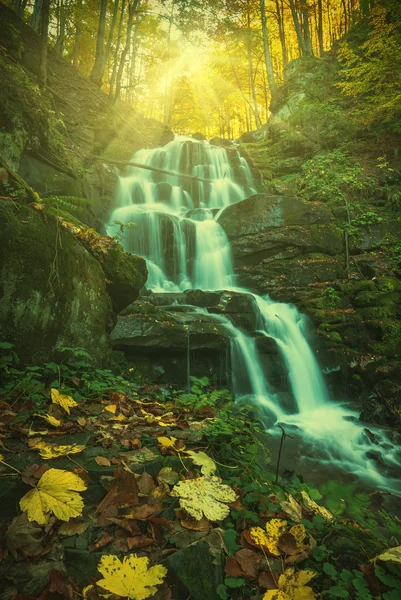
[51, 420]
[130, 578]
[391, 555]
[312, 506]
[169, 476]
[102, 461]
[110, 408]
[102, 541]
[56, 492]
[205, 496]
[249, 562]
[371, 579]
[63, 400]
[292, 508]
[269, 538]
[73, 527]
[24, 538]
[207, 465]
[48, 451]
[292, 586]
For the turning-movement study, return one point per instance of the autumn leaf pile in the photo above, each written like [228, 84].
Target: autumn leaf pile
[142, 519]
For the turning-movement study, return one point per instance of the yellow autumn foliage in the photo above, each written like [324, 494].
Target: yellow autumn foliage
[269, 538]
[63, 400]
[205, 496]
[292, 586]
[207, 465]
[48, 451]
[51, 420]
[316, 508]
[130, 578]
[55, 493]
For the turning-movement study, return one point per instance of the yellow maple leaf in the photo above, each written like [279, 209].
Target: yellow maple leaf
[169, 442]
[292, 508]
[269, 538]
[130, 578]
[299, 533]
[205, 496]
[63, 400]
[110, 408]
[51, 420]
[48, 451]
[55, 492]
[207, 465]
[292, 586]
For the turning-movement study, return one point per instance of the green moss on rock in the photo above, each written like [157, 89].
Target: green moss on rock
[52, 292]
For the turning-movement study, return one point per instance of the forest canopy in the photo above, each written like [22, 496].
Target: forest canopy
[205, 65]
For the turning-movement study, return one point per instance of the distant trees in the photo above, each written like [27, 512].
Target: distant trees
[139, 50]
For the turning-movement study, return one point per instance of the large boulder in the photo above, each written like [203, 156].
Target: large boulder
[126, 274]
[282, 240]
[52, 291]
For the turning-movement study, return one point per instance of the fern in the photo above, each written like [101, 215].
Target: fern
[69, 203]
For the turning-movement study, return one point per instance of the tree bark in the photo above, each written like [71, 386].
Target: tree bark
[320, 27]
[35, 17]
[298, 30]
[111, 33]
[118, 43]
[307, 35]
[131, 11]
[44, 35]
[97, 71]
[61, 16]
[250, 70]
[77, 34]
[281, 31]
[268, 58]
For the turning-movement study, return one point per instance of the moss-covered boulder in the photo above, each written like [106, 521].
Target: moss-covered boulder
[52, 291]
[126, 275]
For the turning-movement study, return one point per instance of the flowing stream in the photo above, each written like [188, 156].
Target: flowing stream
[171, 221]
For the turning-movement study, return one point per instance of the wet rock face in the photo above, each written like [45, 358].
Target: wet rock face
[276, 240]
[52, 291]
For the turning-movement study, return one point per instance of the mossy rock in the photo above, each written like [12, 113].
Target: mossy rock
[351, 545]
[126, 275]
[52, 291]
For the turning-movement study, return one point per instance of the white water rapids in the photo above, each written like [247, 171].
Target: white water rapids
[174, 227]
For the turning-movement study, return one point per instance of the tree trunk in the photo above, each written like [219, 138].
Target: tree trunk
[268, 58]
[61, 17]
[77, 34]
[97, 71]
[35, 17]
[44, 34]
[131, 11]
[320, 27]
[307, 35]
[111, 33]
[281, 31]
[118, 43]
[250, 69]
[298, 30]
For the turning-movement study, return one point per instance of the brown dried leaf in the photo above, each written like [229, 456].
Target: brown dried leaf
[249, 562]
[102, 541]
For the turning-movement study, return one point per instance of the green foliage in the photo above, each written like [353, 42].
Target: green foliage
[334, 177]
[202, 398]
[330, 298]
[370, 71]
[75, 375]
[69, 203]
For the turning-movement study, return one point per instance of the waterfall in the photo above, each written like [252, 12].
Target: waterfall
[174, 227]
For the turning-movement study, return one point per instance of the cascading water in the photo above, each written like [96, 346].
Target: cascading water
[175, 229]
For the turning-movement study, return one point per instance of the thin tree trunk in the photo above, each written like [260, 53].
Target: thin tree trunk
[118, 43]
[281, 31]
[307, 35]
[250, 70]
[345, 16]
[61, 23]
[44, 35]
[77, 34]
[111, 33]
[268, 58]
[35, 17]
[298, 30]
[320, 27]
[97, 71]
[131, 11]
